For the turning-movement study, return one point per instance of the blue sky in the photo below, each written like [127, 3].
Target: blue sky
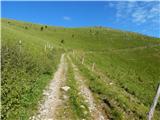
[142, 17]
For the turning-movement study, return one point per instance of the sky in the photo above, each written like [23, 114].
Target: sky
[136, 16]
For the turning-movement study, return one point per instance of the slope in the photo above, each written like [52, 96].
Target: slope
[129, 60]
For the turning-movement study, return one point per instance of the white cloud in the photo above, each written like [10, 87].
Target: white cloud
[138, 12]
[67, 18]
[139, 16]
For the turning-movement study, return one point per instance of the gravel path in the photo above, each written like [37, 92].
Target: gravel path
[47, 108]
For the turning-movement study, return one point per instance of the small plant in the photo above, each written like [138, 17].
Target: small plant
[62, 41]
[45, 26]
[42, 28]
[26, 27]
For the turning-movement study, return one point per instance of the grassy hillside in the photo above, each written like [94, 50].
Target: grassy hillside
[128, 62]
[27, 67]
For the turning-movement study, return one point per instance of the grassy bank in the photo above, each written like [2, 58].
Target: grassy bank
[118, 102]
[26, 70]
[30, 55]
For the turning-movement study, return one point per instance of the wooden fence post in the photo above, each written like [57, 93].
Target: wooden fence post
[153, 106]
[20, 45]
[45, 48]
[82, 60]
[93, 65]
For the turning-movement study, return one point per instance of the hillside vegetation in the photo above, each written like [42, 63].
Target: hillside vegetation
[122, 69]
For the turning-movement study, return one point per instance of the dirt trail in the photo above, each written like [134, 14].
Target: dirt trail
[47, 108]
[126, 49]
[96, 112]
[138, 48]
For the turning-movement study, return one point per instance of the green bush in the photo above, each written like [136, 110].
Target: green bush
[21, 72]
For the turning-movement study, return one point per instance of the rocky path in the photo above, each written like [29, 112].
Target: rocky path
[52, 95]
[52, 99]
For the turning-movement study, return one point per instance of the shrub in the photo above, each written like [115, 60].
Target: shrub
[26, 27]
[21, 72]
[42, 28]
[62, 41]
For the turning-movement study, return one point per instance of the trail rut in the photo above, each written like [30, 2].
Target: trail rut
[47, 108]
[96, 112]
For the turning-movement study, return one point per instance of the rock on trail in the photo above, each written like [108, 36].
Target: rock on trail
[47, 108]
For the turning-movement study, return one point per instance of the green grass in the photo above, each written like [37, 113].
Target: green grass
[134, 72]
[26, 70]
[119, 104]
[91, 38]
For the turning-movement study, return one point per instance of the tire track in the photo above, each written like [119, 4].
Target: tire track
[96, 112]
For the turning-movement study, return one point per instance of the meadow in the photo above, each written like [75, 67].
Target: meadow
[125, 76]
[27, 67]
